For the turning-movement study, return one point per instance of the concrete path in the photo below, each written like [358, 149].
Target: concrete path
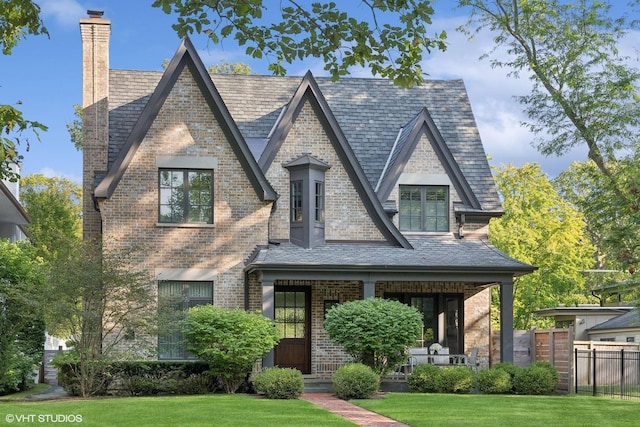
[351, 412]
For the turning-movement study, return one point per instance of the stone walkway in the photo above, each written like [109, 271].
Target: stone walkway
[351, 412]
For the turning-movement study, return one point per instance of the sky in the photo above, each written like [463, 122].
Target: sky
[44, 76]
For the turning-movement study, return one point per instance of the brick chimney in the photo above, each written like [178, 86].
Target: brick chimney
[95, 32]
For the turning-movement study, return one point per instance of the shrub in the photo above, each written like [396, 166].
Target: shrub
[374, 331]
[231, 341]
[493, 381]
[355, 381]
[536, 379]
[424, 379]
[279, 383]
[455, 379]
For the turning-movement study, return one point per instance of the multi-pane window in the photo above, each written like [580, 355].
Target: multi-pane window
[319, 201]
[424, 208]
[296, 201]
[174, 299]
[290, 313]
[186, 196]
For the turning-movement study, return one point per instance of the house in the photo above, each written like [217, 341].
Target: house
[583, 317]
[290, 194]
[13, 217]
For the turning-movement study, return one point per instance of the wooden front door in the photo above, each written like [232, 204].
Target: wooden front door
[293, 320]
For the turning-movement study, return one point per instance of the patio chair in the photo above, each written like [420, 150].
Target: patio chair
[404, 368]
[472, 360]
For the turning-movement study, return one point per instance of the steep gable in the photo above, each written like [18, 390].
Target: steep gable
[185, 57]
[307, 104]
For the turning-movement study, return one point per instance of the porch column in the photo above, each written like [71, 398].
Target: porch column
[368, 288]
[268, 310]
[506, 320]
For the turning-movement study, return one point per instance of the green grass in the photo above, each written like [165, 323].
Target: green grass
[36, 388]
[209, 410]
[476, 410]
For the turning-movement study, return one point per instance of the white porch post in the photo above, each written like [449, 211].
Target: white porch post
[506, 321]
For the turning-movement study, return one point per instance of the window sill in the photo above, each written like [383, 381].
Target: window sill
[184, 225]
[427, 233]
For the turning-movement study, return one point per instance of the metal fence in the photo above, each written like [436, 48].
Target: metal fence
[614, 373]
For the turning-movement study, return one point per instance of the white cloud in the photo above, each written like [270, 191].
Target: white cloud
[50, 173]
[65, 13]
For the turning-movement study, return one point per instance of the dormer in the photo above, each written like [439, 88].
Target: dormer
[307, 200]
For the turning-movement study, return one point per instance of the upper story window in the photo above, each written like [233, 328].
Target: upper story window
[186, 196]
[319, 207]
[424, 208]
[296, 201]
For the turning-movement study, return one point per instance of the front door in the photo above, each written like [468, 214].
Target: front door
[292, 317]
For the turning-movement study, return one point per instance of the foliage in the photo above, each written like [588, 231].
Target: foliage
[279, 383]
[75, 127]
[55, 211]
[374, 331]
[22, 297]
[455, 379]
[614, 228]
[585, 94]
[230, 340]
[355, 381]
[424, 379]
[136, 378]
[493, 381]
[390, 40]
[106, 306]
[230, 68]
[539, 378]
[18, 18]
[542, 229]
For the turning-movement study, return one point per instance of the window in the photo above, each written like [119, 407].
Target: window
[319, 201]
[296, 201]
[186, 196]
[424, 208]
[290, 313]
[174, 298]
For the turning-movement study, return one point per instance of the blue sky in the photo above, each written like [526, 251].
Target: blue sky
[44, 74]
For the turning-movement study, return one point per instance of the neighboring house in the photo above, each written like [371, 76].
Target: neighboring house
[290, 194]
[623, 328]
[583, 317]
[13, 217]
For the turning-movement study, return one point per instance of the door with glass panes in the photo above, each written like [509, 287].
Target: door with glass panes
[292, 316]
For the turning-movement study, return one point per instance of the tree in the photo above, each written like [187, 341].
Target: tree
[585, 91]
[374, 331]
[18, 18]
[107, 306]
[75, 127]
[390, 42]
[230, 340]
[54, 207]
[540, 228]
[22, 291]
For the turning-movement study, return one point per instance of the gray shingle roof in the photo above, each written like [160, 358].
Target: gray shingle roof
[627, 320]
[370, 113]
[429, 253]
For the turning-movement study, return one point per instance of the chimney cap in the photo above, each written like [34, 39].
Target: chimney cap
[95, 13]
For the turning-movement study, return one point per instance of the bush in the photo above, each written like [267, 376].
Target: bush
[355, 381]
[231, 341]
[374, 331]
[537, 379]
[494, 381]
[455, 379]
[279, 383]
[424, 379]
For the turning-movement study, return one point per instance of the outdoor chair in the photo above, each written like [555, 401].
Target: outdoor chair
[472, 360]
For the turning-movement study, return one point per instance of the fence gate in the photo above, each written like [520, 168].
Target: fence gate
[554, 346]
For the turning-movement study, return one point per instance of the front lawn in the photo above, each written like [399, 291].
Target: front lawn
[209, 410]
[476, 410]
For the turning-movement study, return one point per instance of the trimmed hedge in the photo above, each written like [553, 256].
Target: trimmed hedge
[355, 381]
[537, 379]
[455, 379]
[141, 378]
[424, 379]
[494, 381]
[279, 383]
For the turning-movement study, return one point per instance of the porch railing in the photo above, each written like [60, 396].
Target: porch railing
[614, 373]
